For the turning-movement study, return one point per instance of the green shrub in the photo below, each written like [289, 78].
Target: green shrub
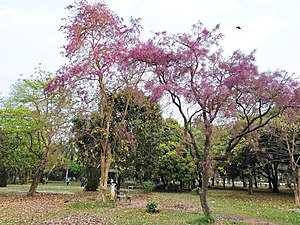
[148, 186]
[152, 207]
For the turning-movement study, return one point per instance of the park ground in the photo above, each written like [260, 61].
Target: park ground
[57, 203]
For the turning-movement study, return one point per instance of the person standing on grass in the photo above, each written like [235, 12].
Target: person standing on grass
[82, 182]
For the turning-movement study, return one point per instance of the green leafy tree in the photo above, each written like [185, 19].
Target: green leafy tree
[134, 136]
[19, 151]
[76, 169]
[86, 139]
[4, 158]
[280, 141]
[49, 115]
[138, 151]
[272, 154]
[175, 163]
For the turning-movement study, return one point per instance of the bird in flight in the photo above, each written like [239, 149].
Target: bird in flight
[238, 27]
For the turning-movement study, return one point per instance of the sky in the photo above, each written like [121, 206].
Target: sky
[29, 30]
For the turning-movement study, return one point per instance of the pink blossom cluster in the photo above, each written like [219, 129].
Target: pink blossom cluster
[194, 68]
[98, 42]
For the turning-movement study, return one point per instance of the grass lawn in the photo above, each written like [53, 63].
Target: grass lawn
[57, 203]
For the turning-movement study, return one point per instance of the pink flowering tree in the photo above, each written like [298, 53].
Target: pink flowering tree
[205, 85]
[97, 43]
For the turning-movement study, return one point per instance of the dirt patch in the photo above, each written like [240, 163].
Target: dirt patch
[133, 204]
[36, 203]
[19, 208]
[77, 219]
[181, 207]
[243, 219]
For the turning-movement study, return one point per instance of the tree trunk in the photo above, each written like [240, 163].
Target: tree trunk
[119, 180]
[105, 165]
[250, 188]
[3, 177]
[181, 185]
[275, 185]
[26, 177]
[243, 180]
[275, 179]
[67, 174]
[297, 187]
[270, 181]
[203, 195]
[206, 166]
[15, 174]
[224, 182]
[37, 177]
[255, 180]
[200, 178]
[106, 112]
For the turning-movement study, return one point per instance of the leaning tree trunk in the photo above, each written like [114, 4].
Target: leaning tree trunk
[37, 177]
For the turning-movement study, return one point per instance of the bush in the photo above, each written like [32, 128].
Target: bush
[152, 207]
[148, 186]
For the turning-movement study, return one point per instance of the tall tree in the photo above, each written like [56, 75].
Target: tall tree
[137, 152]
[201, 83]
[272, 153]
[175, 163]
[97, 43]
[283, 145]
[18, 150]
[49, 114]
[4, 158]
